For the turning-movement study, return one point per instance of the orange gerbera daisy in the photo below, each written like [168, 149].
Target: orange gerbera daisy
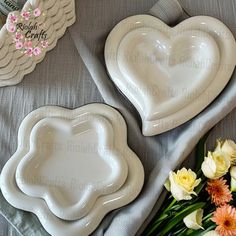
[219, 192]
[225, 218]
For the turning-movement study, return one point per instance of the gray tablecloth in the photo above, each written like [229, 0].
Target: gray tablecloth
[74, 74]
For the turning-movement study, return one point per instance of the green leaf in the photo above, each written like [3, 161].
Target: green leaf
[201, 186]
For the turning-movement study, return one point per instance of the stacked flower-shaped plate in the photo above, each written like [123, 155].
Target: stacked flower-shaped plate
[72, 167]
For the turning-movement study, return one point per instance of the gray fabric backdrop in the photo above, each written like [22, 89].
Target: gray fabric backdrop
[74, 74]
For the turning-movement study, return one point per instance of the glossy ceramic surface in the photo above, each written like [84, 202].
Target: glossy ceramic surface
[84, 226]
[170, 74]
[71, 163]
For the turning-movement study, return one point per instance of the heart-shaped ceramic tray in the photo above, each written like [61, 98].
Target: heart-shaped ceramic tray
[29, 34]
[46, 116]
[170, 74]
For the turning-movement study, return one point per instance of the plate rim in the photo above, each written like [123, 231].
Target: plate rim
[154, 127]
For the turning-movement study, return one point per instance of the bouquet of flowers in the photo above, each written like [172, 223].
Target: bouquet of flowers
[201, 202]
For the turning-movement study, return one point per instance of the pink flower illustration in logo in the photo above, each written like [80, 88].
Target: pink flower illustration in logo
[18, 36]
[22, 43]
[29, 52]
[28, 44]
[19, 45]
[11, 28]
[25, 15]
[37, 12]
[13, 18]
[37, 51]
[44, 44]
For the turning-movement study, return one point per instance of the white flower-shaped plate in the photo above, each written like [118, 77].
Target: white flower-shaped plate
[87, 224]
[29, 34]
[72, 163]
[170, 74]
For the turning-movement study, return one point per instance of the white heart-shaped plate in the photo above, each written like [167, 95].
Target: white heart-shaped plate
[55, 125]
[170, 74]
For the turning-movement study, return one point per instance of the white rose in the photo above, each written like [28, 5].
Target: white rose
[194, 220]
[216, 164]
[182, 184]
[211, 233]
[229, 147]
[233, 178]
[233, 172]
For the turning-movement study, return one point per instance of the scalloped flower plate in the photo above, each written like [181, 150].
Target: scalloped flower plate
[170, 74]
[74, 164]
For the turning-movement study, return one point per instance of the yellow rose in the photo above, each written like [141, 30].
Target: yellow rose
[229, 147]
[194, 220]
[216, 164]
[182, 184]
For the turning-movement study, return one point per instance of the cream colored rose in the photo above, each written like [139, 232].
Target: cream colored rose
[194, 220]
[182, 184]
[216, 164]
[229, 147]
[233, 178]
[211, 233]
[233, 172]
